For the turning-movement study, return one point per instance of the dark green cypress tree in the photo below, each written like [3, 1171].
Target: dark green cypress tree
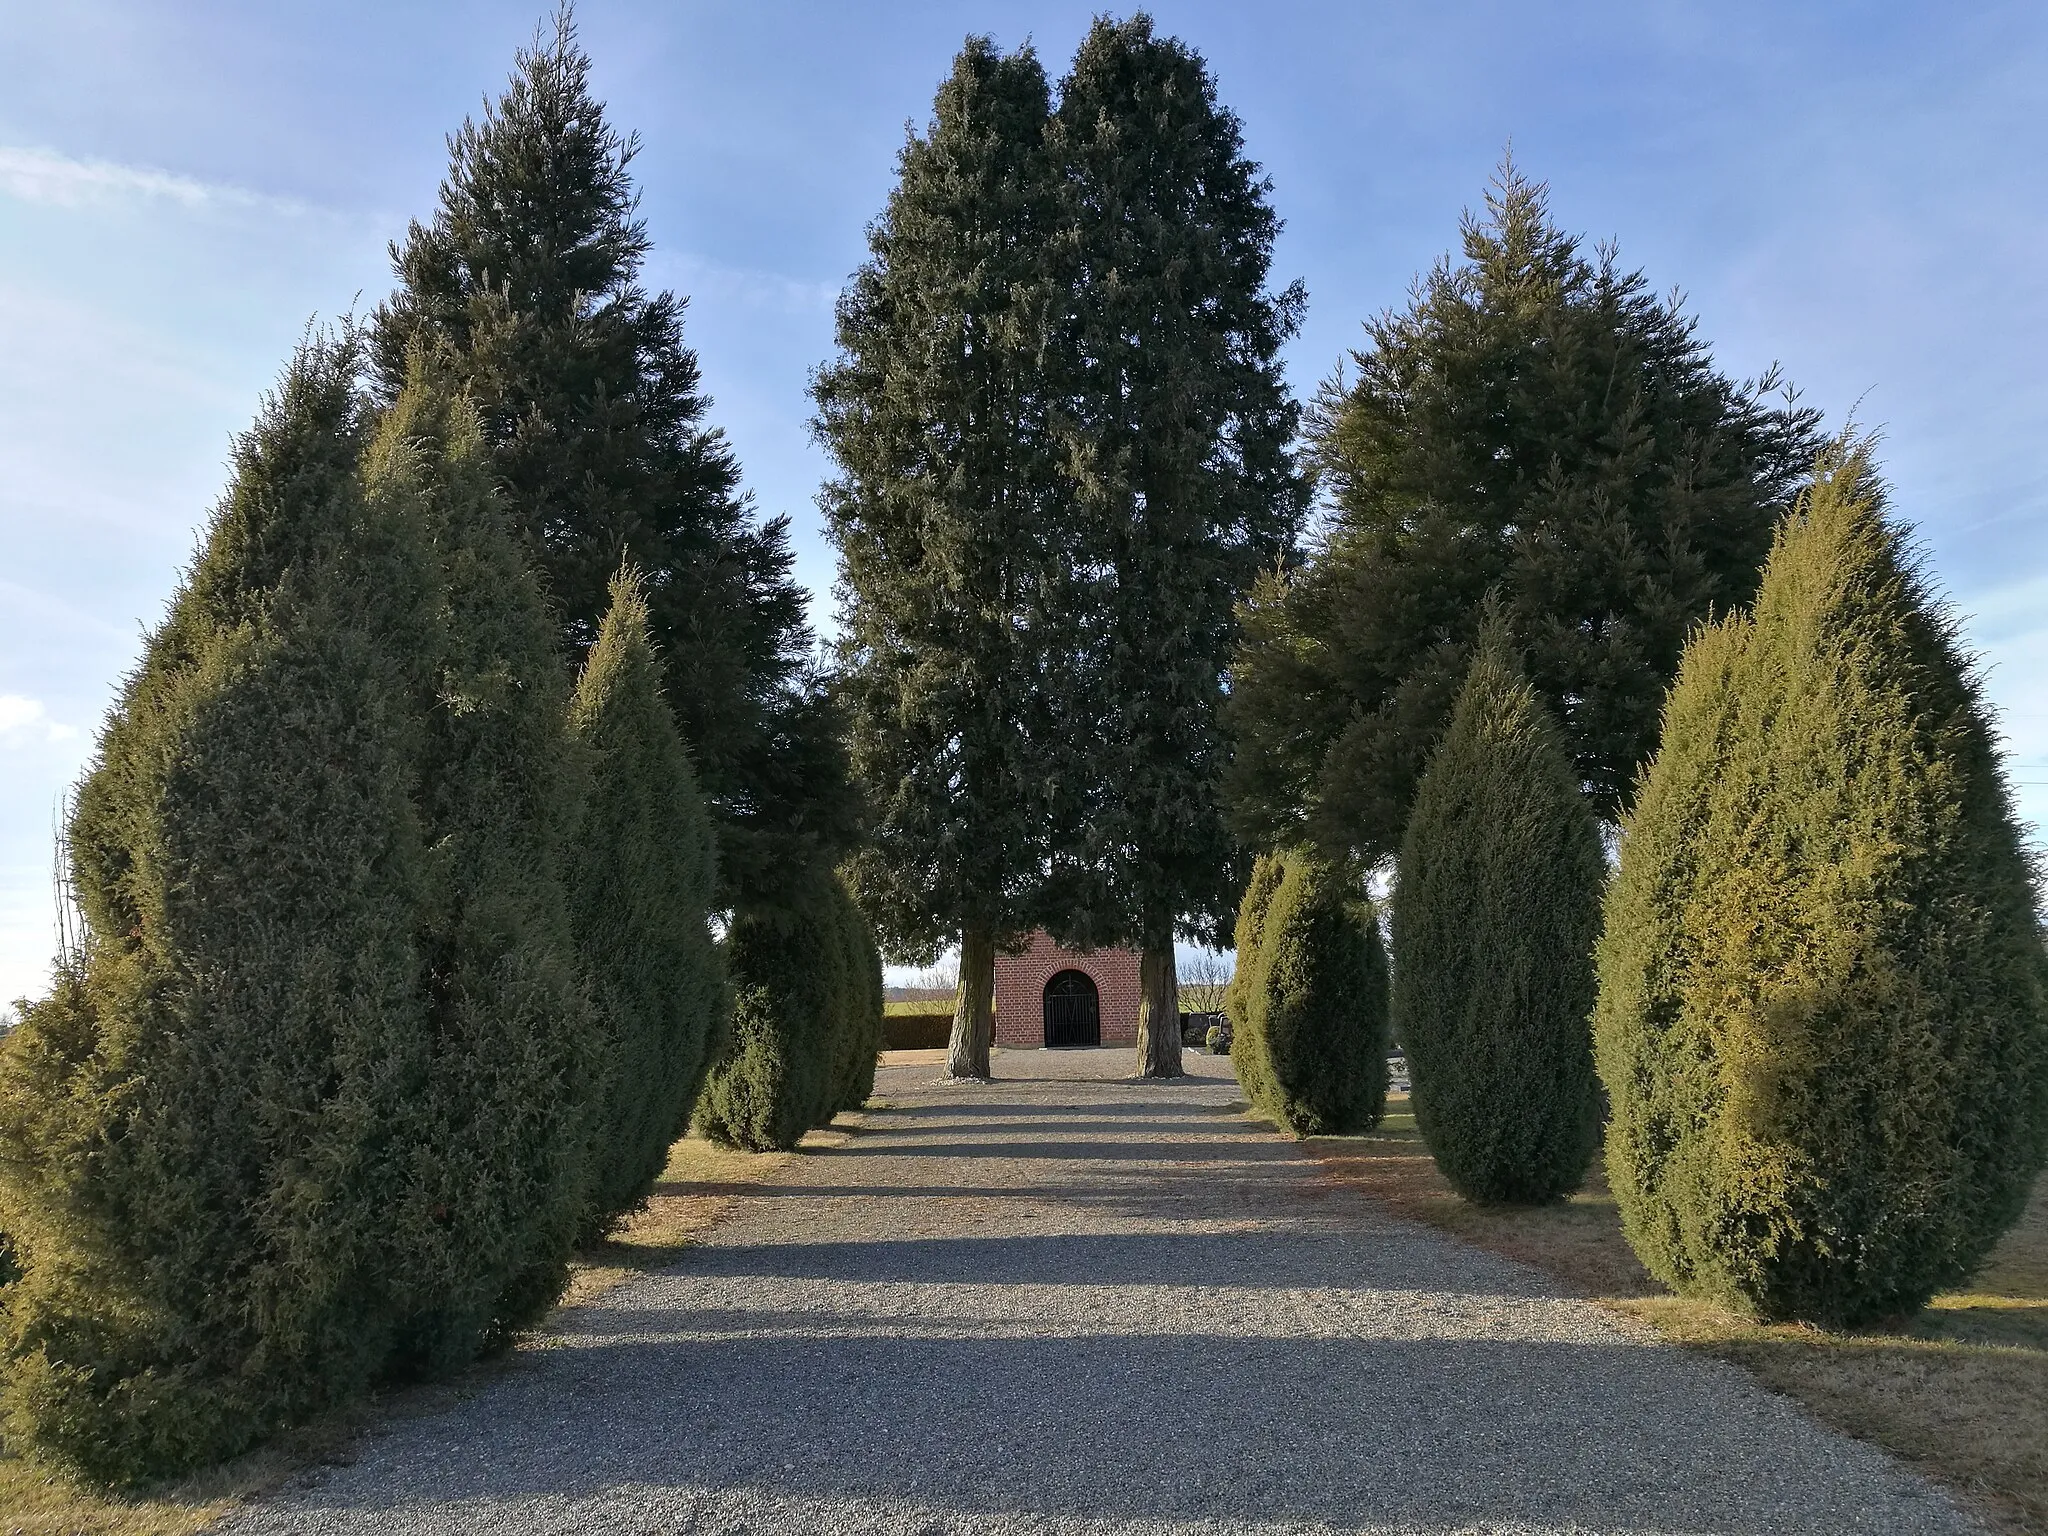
[643, 876]
[1244, 996]
[1175, 429]
[528, 279]
[949, 529]
[1495, 914]
[497, 1122]
[1823, 1010]
[195, 1171]
[860, 1002]
[779, 1076]
[1535, 424]
[1313, 1057]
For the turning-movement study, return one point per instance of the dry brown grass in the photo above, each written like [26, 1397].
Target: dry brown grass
[702, 1179]
[1960, 1391]
[700, 1182]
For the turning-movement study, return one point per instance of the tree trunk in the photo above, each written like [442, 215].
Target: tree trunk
[1158, 1012]
[974, 1019]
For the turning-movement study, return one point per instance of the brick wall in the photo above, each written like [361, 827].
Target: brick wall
[1020, 991]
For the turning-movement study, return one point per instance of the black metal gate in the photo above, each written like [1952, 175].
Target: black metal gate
[1073, 1013]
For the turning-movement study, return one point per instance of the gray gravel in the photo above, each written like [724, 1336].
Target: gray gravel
[1051, 1304]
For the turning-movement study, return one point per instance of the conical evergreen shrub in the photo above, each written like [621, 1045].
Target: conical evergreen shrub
[497, 1133]
[780, 1075]
[1243, 998]
[197, 1169]
[859, 1022]
[1495, 915]
[1318, 1017]
[643, 875]
[1821, 1019]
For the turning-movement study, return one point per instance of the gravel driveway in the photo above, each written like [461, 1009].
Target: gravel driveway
[1051, 1304]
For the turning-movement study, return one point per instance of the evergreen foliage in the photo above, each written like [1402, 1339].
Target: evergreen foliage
[806, 1020]
[781, 1074]
[1495, 915]
[945, 514]
[497, 1118]
[192, 1167]
[310, 1109]
[1536, 424]
[643, 875]
[528, 281]
[1243, 997]
[1175, 434]
[1311, 1050]
[1821, 1018]
[859, 1025]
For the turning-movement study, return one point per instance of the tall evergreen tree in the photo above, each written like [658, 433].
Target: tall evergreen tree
[1823, 1007]
[529, 279]
[946, 519]
[1175, 431]
[643, 877]
[194, 1172]
[1495, 915]
[1534, 423]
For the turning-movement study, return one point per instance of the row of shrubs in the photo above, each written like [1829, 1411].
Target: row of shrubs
[1813, 979]
[399, 978]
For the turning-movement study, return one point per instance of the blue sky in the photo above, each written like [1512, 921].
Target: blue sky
[1854, 190]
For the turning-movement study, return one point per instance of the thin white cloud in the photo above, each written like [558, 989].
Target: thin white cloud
[704, 279]
[56, 180]
[24, 722]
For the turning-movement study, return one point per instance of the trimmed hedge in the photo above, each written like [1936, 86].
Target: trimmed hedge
[1823, 1014]
[643, 874]
[1495, 915]
[1314, 1026]
[917, 1029]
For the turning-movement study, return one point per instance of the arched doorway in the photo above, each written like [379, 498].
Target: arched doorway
[1073, 1011]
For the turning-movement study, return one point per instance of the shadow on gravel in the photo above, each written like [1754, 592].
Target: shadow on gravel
[983, 1109]
[1206, 1130]
[1196, 1175]
[1208, 1149]
[1189, 1259]
[1246, 1346]
[1262, 1432]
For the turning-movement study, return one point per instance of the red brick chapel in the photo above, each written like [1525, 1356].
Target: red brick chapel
[1053, 996]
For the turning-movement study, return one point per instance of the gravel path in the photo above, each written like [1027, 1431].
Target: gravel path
[1058, 1305]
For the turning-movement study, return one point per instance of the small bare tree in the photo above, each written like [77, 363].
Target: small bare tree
[942, 977]
[1204, 977]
